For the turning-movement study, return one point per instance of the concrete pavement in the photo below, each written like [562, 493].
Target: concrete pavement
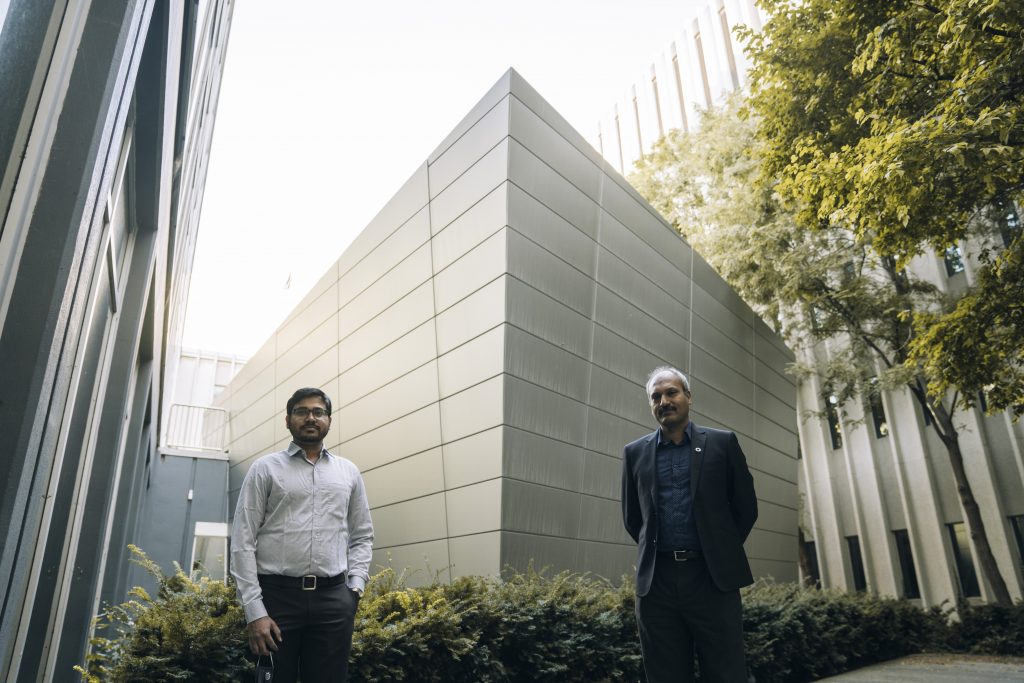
[938, 668]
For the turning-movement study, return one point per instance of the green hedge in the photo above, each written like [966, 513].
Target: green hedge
[566, 628]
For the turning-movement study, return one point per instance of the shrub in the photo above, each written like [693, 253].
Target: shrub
[800, 634]
[988, 629]
[192, 630]
[528, 628]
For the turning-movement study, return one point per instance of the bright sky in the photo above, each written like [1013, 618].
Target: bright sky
[328, 106]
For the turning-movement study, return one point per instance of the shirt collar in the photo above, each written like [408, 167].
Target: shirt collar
[687, 436]
[296, 449]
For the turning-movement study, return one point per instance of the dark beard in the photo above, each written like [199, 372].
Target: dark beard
[304, 437]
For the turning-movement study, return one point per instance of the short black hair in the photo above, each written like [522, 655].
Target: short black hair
[306, 392]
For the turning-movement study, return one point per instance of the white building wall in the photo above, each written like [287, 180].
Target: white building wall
[656, 90]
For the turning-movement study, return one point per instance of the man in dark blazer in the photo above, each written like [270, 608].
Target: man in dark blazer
[688, 501]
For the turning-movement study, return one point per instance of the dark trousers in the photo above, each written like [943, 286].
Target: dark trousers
[316, 631]
[684, 611]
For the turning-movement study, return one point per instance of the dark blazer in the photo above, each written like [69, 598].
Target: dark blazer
[724, 504]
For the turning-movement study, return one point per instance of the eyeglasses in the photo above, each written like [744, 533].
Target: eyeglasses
[303, 413]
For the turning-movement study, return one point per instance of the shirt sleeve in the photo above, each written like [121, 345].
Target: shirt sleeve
[249, 512]
[360, 536]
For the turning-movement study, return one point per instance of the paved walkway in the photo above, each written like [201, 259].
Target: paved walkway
[939, 668]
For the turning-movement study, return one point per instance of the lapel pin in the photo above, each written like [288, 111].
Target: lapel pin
[697, 449]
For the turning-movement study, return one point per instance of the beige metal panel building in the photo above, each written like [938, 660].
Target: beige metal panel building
[485, 340]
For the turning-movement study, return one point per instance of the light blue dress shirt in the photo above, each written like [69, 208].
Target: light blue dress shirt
[297, 518]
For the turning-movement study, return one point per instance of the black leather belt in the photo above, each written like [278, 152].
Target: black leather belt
[306, 583]
[681, 555]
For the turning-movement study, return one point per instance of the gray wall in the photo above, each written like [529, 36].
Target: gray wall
[485, 340]
[90, 255]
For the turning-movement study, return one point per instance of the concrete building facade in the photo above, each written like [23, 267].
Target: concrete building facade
[105, 127]
[880, 508]
[485, 341]
[704, 63]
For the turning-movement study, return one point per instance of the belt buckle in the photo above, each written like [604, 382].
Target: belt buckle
[680, 555]
[309, 582]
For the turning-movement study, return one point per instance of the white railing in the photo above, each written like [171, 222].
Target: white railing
[200, 428]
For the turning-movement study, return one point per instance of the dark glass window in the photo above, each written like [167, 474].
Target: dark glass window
[727, 38]
[877, 410]
[832, 412]
[910, 587]
[964, 564]
[699, 44]
[954, 261]
[1009, 221]
[860, 582]
[1017, 522]
[810, 553]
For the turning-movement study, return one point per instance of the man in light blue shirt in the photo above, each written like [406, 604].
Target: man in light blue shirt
[300, 549]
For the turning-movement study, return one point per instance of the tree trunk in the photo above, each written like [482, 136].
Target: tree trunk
[951, 439]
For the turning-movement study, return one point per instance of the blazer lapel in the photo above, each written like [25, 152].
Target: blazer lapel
[697, 446]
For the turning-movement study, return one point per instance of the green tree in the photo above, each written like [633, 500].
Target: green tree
[815, 284]
[900, 121]
[903, 120]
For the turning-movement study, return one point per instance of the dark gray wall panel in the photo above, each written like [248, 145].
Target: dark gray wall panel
[601, 475]
[540, 181]
[537, 509]
[534, 134]
[541, 225]
[547, 318]
[539, 459]
[548, 365]
[543, 270]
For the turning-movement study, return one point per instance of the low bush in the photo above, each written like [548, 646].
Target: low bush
[988, 629]
[800, 634]
[191, 631]
[529, 628]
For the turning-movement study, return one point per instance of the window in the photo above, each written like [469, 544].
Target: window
[954, 261]
[810, 557]
[657, 101]
[849, 273]
[210, 551]
[679, 89]
[636, 117]
[910, 587]
[832, 413]
[727, 37]
[860, 582]
[703, 66]
[1017, 522]
[1009, 221]
[964, 564]
[618, 139]
[877, 410]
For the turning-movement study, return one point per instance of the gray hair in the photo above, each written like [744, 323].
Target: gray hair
[661, 370]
